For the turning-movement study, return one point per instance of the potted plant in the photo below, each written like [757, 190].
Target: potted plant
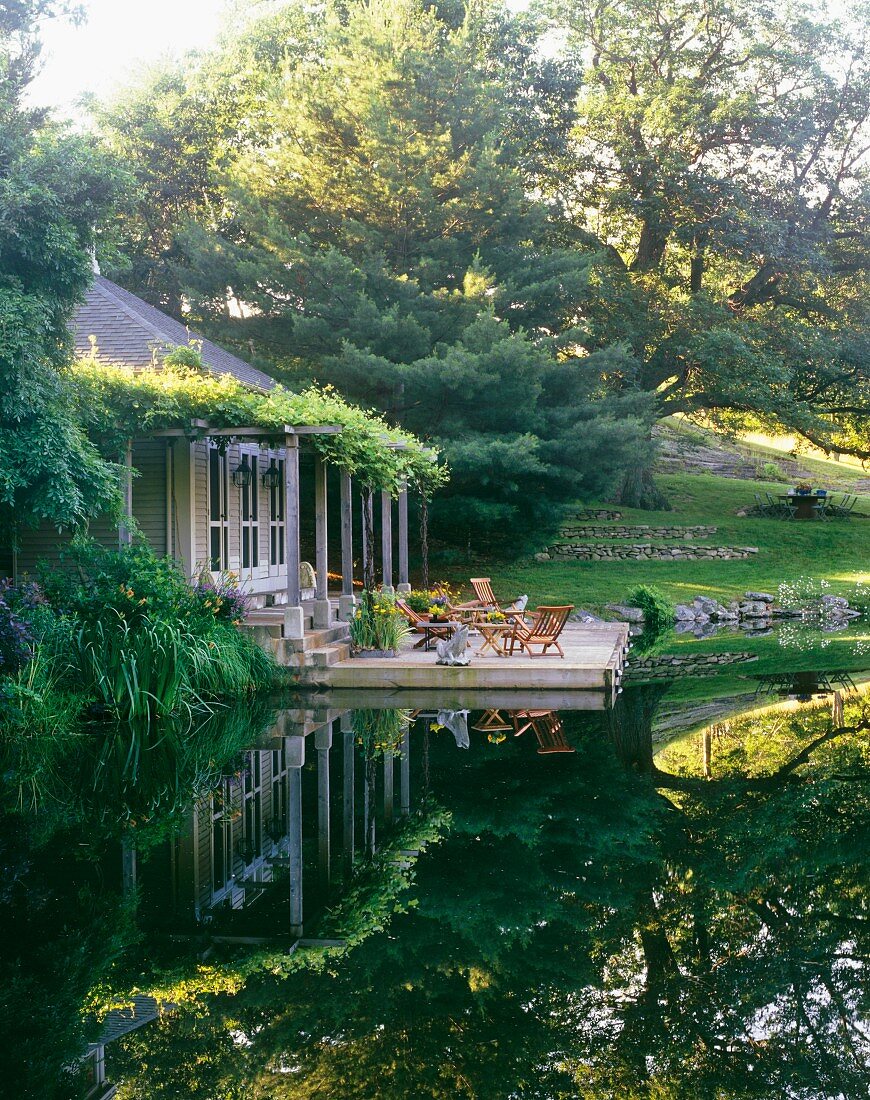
[377, 628]
[803, 489]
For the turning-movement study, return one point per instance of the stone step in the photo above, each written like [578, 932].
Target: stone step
[317, 639]
[318, 657]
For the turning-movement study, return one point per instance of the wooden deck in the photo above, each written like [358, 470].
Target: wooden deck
[593, 662]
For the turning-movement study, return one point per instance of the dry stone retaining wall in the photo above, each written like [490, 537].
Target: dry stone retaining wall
[598, 513]
[627, 531]
[667, 666]
[645, 552]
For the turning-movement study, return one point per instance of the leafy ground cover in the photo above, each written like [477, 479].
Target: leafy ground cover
[838, 551]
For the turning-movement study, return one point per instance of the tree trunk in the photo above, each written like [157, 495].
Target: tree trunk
[368, 540]
[424, 541]
[696, 274]
[651, 246]
[639, 490]
[630, 722]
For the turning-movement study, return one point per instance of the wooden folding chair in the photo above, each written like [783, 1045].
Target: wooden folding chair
[419, 623]
[544, 630]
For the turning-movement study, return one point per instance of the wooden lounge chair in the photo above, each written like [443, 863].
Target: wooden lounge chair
[548, 728]
[485, 600]
[419, 623]
[544, 630]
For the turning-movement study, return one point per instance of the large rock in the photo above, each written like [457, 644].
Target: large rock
[684, 613]
[626, 614]
[765, 597]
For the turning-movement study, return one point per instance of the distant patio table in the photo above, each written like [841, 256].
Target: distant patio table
[805, 504]
[495, 637]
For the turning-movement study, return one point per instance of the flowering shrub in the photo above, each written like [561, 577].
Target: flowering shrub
[222, 598]
[377, 624]
[423, 600]
[16, 634]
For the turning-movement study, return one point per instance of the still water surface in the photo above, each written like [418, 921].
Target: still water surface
[666, 899]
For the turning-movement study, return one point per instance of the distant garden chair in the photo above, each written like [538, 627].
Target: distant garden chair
[420, 624]
[844, 509]
[544, 630]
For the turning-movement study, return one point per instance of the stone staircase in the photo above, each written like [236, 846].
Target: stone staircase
[319, 648]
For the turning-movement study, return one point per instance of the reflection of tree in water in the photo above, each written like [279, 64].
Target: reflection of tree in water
[589, 929]
[64, 918]
[631, 724]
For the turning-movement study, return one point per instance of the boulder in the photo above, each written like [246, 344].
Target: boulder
[765, 597]
[683, 613]
[626, 614]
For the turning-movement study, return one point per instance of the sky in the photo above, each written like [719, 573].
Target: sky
[116, 39]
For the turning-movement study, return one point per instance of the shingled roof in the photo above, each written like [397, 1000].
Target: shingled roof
[129, 331]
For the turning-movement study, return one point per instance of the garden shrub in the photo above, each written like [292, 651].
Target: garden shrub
[377, 624]
[658, 611]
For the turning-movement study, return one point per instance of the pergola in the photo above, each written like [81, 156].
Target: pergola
[289, 437]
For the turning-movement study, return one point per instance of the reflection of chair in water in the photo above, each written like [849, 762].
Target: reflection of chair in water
[491, 721]
[548, 728]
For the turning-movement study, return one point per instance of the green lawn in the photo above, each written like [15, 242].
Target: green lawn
[838, 551]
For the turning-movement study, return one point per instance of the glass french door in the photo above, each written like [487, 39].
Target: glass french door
[276, 521]
[250, 516]
[218, 518]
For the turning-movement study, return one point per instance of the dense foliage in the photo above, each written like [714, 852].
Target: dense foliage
[116, 403]
[526, 253]
[54, 188]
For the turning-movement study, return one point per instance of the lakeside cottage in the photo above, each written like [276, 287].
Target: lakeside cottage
[216, 497]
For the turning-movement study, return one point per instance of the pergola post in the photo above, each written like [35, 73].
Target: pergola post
[387, 540]
[295, 747]
[347, 600]
[404, 574]
[323, 743]
[125, 530]
[294, 619]
[322, 611]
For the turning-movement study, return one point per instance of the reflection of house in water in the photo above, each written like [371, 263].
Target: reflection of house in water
[282, 829]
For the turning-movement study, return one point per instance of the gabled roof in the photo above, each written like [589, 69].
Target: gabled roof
[128, 331]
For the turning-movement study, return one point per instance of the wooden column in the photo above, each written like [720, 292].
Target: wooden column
[322, 615]
[125, 530]
[323, 743]
[404, 574]
[293, 617]
[387, 540]
[347, 600]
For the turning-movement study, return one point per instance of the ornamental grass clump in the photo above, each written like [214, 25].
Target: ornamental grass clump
[144, 644]
[377, 624]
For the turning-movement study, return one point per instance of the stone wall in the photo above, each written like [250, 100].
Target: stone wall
[598, 513]
[637, 531]
[644, 552]
[667, 666]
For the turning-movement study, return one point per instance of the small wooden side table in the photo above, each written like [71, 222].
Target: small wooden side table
[495, 636]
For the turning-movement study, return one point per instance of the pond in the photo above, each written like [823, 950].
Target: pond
[337, 897]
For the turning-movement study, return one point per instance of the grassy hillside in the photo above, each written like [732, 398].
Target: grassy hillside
[838, 550]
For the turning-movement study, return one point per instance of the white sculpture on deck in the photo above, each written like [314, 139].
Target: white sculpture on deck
[451, 651]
